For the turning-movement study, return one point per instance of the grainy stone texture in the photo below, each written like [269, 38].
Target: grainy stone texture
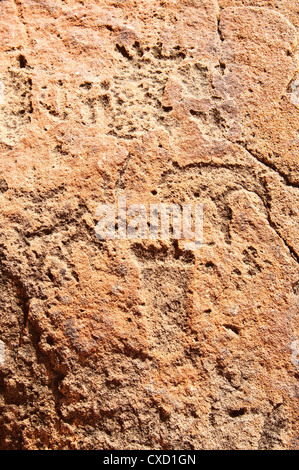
[142, 344]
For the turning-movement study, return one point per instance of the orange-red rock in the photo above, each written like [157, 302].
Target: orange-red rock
[141, 344]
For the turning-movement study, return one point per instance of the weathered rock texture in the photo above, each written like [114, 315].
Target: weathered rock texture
[142, 344]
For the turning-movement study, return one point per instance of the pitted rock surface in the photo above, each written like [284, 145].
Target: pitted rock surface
[141, 344]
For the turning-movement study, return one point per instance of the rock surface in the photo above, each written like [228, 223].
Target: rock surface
[141, 344]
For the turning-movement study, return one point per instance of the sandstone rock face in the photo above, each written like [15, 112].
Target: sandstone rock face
[142, 344]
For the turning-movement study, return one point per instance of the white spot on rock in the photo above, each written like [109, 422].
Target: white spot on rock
[2, 352]
[295, 345]
[295, 354]
[295, 359]
[2, 96]
[295, 92]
